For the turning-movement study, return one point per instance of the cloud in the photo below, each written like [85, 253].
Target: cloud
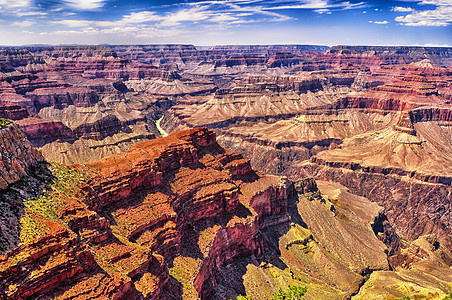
[23, 24]
[201, 13]
[31, 13]
[75, 23]
[137, 32]
[210, 13]
[379, 22]
[85, 4]
[7, 5]
[320, 4]
[225, 17]
[323, 11]
[440, 16]
[140, 17]
[402, 9]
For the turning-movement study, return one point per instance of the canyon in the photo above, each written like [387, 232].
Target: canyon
[298, 165]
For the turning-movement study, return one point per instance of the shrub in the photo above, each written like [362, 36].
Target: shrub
[294, 293]
[4, 122]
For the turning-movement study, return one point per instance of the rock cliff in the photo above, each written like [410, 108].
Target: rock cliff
[17, 155]
[100, 238]
[399, 54]
[181, 217]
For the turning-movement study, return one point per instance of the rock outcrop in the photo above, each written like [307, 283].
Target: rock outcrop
[17, 158]
[393, 55]
[40, 131]
[16, 155]
[117, 224]
[182, 217]
[13, 111]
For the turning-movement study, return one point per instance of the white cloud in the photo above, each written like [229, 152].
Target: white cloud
[224, 17]
[140, 17]
[402, 9]
[440, 16]
[211, 13]
[23, 24]
[319, 4]
[85, 4]
[31, 13]
[323, 11]
[7, 5]
[192, 14]
[75, 23]
[379, 22]
[129, 31]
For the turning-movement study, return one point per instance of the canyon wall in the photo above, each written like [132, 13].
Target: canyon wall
[17, 155]
[364, 133]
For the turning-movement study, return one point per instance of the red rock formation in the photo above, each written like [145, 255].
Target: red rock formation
[42, 131]
[63, 97]
[13, 111]
[153, 194]
[398, 54]
[435, 113]
[400, 191]
[16, 155]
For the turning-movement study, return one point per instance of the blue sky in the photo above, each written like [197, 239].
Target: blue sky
[321, 22]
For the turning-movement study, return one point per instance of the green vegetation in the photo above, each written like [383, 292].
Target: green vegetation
[184, 270]
[4, 122]
[448, 297]
[66, 182]
[32, 229]
[240, 297]
[44, 208]
[294, 293]
[404, 298]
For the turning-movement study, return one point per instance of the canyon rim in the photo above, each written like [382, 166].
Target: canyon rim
[225, 150]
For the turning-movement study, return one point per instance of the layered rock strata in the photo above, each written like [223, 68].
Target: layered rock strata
[181, 217]
[120, 251]
[16, 155]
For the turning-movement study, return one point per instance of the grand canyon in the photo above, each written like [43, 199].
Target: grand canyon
[183, 172]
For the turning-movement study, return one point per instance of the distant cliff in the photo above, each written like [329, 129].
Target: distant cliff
[440, 56]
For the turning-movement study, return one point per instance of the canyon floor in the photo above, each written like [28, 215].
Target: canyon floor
[168, 172]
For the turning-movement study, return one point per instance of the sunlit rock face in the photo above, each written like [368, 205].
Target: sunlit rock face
[17, 155]
[129, 216]
[354, 143]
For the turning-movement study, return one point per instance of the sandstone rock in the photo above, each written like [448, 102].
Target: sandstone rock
[399, 55]
[425, 255]
[63, 97]
[16, 155]
[40, 131]
[13, 111]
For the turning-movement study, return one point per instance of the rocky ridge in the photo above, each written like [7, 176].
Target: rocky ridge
[182, 217]
[382, 131]
[123, 259]
[17, 154]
